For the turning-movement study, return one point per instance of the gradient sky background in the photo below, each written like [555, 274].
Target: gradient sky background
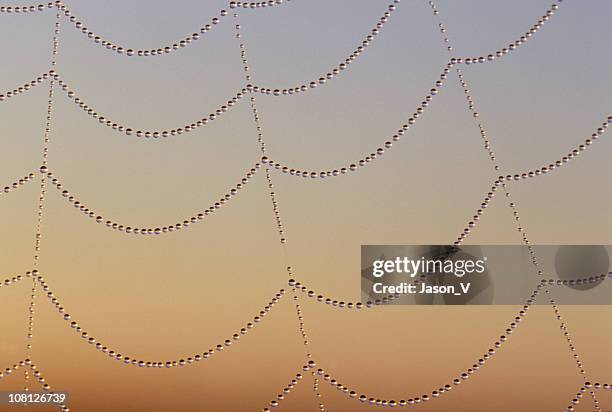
[181, 293]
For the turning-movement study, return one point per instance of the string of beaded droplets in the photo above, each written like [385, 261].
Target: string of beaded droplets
[582, 390]
[367, 159]
[41, 198]
[572, 154]
[277, 216]
[14, 279]
[136, 361]
[26, 87]
[563, 160]
[323, 79]
[335, 303]
[292, 384]
[525, 175]
[484, 58]
[514, 208]
[129, 131]
[27, 9]
[286, 390]
[18, 183]
[27, 363]
[161, 50]
[488, 355]
[126, 51]
[130, 229]
[573, 351]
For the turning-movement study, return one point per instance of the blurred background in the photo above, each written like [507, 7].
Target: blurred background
[175, 295]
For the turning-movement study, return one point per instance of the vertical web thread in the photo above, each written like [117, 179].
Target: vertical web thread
[513, 206]
[41, 197]
[277, 216]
